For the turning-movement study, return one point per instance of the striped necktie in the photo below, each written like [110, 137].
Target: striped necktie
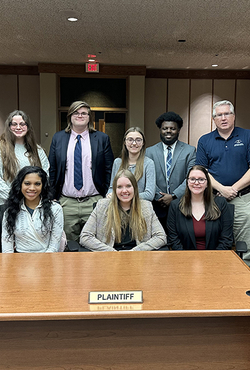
[78, 182]
[168, 166]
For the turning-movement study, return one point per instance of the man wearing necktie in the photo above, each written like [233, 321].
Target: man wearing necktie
[81, 161]
[173, 159]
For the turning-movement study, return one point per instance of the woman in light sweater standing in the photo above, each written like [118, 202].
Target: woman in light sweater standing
[18, 148]
[133, 158]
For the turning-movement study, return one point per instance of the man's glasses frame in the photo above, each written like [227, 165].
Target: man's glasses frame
[78, 114]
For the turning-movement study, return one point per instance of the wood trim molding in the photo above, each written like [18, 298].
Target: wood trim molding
[79, 70]
[198, 74]
[19, 70]
[122, 71]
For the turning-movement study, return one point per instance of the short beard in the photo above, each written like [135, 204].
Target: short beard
[169, 142]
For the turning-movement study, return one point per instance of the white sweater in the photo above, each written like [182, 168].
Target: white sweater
[28, 236]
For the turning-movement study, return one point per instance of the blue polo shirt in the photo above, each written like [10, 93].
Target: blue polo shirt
[226, 160]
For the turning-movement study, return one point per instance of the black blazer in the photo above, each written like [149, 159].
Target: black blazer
[180, 231]
[102, 161]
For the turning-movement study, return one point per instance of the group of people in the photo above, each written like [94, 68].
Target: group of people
[164, 197]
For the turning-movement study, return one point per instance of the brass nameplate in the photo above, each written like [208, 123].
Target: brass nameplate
[129, 296]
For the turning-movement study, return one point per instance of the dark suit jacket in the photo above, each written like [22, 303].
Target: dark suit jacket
[102, 161]
[180, 231]
[183, 159]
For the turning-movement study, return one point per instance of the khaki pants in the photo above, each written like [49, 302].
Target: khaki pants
[242, 222]
[76, 214]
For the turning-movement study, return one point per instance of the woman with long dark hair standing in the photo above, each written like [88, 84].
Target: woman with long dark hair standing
[18, 148]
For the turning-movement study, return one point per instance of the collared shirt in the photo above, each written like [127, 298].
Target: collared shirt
[226, 159]
[88, 188]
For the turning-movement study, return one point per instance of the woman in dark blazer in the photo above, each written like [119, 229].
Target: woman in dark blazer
[198, 220]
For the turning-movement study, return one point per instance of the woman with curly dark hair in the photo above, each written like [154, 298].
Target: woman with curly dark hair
[32, 222]
[18, 148]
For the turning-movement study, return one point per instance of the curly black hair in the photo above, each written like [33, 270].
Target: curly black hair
[169, 117]
[13, 203]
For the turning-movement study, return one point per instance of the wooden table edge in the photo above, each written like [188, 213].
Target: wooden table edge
[120, 315]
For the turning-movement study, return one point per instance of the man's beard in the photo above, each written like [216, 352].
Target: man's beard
[170, 141]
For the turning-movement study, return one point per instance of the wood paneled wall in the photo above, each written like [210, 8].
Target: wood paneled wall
[8, 97]
[150, 93]
[193, 99]
[20, 92]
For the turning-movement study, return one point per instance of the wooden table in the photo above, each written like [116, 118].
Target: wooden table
[195, 314]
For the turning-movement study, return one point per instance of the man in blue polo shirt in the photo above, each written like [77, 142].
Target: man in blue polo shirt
[225, 152]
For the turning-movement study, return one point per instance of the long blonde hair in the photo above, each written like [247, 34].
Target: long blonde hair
[7, 147]
[125, 154]
[115, 214]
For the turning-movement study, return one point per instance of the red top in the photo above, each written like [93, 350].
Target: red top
[200, 232]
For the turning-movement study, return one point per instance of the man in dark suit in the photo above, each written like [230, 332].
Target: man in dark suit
[81, 161]
[173, 159]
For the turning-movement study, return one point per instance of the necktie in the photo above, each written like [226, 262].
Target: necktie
[78, 183]
[168, 166]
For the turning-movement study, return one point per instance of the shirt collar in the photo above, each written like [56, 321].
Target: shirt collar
[83, 134]
[165, 146]
[233, 134]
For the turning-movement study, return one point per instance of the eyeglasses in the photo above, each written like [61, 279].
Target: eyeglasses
[220, 115]
[200, 180]
[130, 140]
[21, 124]
[78, 114]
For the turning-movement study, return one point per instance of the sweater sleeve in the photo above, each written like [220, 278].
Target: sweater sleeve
[156, 236]
[57, 229]
[44, 159]
[4, 186]
[149, 179]
[88, 236]
[115, 168]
